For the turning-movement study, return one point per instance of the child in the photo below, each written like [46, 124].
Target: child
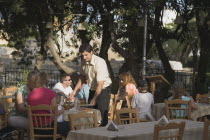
[143, 101]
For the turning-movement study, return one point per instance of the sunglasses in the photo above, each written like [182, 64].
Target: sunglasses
[68, 80]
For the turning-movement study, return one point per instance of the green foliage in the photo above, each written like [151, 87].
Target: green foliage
[25, 78]
[91, 30]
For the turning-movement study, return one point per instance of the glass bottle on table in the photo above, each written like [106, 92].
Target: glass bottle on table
[62, 100]
[76, 103]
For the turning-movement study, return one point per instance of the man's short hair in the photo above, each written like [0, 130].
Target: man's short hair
[63, 77]
[142, 83]
[85, 47]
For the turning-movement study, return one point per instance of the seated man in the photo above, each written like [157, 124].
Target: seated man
[143, 102]
[64, 86]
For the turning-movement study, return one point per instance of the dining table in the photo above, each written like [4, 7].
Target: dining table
[136, 131]
[158, 110]
[203, 110]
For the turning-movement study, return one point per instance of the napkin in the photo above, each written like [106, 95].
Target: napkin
[112, 126]
[163, 120]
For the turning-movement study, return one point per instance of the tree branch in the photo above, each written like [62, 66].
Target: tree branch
[57, 60]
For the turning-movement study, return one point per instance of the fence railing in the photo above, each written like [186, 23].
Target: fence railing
[16, 76]
[185, 77]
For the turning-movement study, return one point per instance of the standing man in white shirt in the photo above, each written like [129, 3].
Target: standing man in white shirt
[94, 70]
[64, 86]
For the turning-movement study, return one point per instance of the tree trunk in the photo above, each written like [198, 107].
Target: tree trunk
[169, 72]
[106, 41]
[41, 57]
[204, 33]
[50, 44]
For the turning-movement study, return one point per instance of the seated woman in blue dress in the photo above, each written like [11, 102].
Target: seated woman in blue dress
[178, 92]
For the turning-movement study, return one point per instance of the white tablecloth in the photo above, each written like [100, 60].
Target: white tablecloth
[203, 110]
[138, 131]
[158, 110]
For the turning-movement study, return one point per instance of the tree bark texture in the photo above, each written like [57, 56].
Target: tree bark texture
[56, 58]
[204, 34]
[169, 72]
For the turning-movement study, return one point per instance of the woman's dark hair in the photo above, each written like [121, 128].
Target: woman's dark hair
[178, 90]
[30, 79]
[178, 93]
[85, 47]
[39, 79]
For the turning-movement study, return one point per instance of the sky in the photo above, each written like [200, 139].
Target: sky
[168, 16]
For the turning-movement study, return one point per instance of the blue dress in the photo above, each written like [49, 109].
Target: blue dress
[84, 93]
[180, 113]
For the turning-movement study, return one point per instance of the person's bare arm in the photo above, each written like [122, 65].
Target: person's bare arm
[53, 103]
[97, 93]
[81, 80]
[193, 105]
[121, 97]
[20, 103]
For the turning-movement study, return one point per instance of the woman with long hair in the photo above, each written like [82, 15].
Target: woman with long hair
[127, 86]
[40, 95]
[179, 92]
[20, 118]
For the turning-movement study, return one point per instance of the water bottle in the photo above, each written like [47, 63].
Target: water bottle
[62, 100]
[75, 102]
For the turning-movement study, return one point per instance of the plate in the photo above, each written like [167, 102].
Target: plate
[84, 105]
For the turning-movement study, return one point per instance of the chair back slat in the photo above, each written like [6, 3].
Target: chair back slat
[127, 116]
[10, 91]
[170, 127]
[129, 100]
[83, 120]
[202, 98]
[111, 107]
[178, 109]
[206, 130]
[43, 122]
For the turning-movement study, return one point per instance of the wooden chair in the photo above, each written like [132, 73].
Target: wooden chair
[1, 92]
[10, 91]
[129, 116]
[202, 98]
[129, 100]
[8, 108]
[117, 106]
[206, 130]
[178, 109]
[83, 120]
[37, 122]
[169, 126]
[111, 107]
